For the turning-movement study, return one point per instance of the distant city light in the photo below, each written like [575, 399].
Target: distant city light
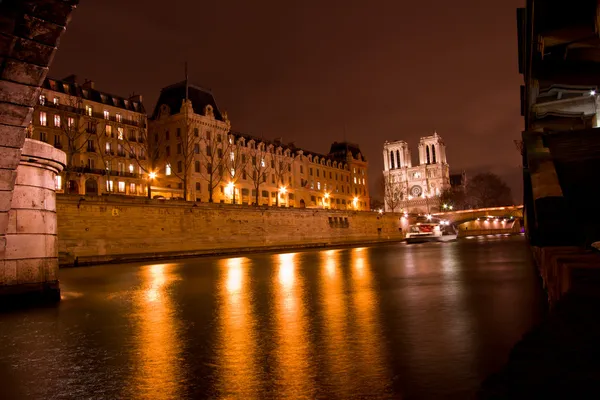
[429, 217]
[592, 93]
[282, 190]
[152, 175]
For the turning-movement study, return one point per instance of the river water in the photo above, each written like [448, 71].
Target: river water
[384, 322]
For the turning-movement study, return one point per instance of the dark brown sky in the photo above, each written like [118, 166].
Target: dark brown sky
[302, 70]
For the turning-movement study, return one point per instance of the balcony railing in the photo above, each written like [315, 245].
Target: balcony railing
[97, 115]
[96, 171]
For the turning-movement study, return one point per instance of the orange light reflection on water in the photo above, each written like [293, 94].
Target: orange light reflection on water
[157, 370]
[237, 342]
[337, 341]
[369, 348]
[291, 321]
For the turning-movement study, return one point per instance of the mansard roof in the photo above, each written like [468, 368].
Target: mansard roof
[341, 150]
[173, 97]
[86, 91]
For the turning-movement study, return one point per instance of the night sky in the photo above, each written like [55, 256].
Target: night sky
[313, 72]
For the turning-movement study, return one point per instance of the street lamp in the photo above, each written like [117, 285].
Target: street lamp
[231, 190]
[151, 177]
[282, 191]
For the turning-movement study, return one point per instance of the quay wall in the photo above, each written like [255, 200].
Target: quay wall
[116, 229]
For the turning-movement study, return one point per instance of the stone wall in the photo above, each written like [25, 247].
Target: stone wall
[112, 228]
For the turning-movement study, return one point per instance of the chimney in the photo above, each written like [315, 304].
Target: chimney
[71, 78]
[136, 97]
[88, 84]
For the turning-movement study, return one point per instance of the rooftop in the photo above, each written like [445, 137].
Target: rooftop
[172, 96]
[87, 91]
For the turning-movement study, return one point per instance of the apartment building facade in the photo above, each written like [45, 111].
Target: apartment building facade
[198, 157]
[103, 135]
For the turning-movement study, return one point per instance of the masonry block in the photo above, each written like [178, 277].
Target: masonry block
[37, 29]
[21, 72]
[55, 11]
[12, 136]
[16, 115]
[33, 52]
[17, 93]
[9, 159]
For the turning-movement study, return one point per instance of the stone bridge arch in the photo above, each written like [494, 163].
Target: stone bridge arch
[460, 217]
[30, 32]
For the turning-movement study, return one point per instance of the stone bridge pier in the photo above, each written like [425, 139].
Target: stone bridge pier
[30, 31]
[485, 221]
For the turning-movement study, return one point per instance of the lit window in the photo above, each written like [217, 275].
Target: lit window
[232, 172]
[131, 168]
[354, 169]
[108, 147]
[43, 121]
[262, 162]
[121, 187]
[108, 130]
[168, 169]
[118, 117]
[231, 156]
[355, 180]
[120, 133]
[318, 185]
[132, 188]
[56, 101]
[109, 186]
[42, 99]
[70, 122]
[106, 114]
[363, 180]
[88, 110]
[57, 120]
[107, 165]
[58, 182]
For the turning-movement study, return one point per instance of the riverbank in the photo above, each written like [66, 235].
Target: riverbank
[110, 229]
[126, 258]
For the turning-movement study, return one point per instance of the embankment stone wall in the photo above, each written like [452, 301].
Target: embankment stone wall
[112, 229]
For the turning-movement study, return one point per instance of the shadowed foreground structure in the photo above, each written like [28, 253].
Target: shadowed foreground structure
[29, 36]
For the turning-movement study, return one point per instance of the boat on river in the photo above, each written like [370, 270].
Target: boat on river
[423, 232]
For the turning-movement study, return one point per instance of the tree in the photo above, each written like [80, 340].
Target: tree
[488, 190]
[259, 167]
[105, 146]
[212, 159]
[76, 132]
[282, 168]
[146, 151]
[182, 158]
[235, 163]
[392, 192]
[453, 199]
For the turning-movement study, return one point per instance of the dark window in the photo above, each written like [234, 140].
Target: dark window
[220, 153]
[272, 163]
[179, 166]
[302, 169]
[265, 193]
[310, 172]
[196, 133]
[178, 148]
[167, 135]
[197, 148]
[208, 152]
[178, 132]
[197, 166]
[198, 186]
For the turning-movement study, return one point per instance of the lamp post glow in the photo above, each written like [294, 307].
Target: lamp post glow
[151, 177]
[282, 192]
[355, 202]
[231, 191]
